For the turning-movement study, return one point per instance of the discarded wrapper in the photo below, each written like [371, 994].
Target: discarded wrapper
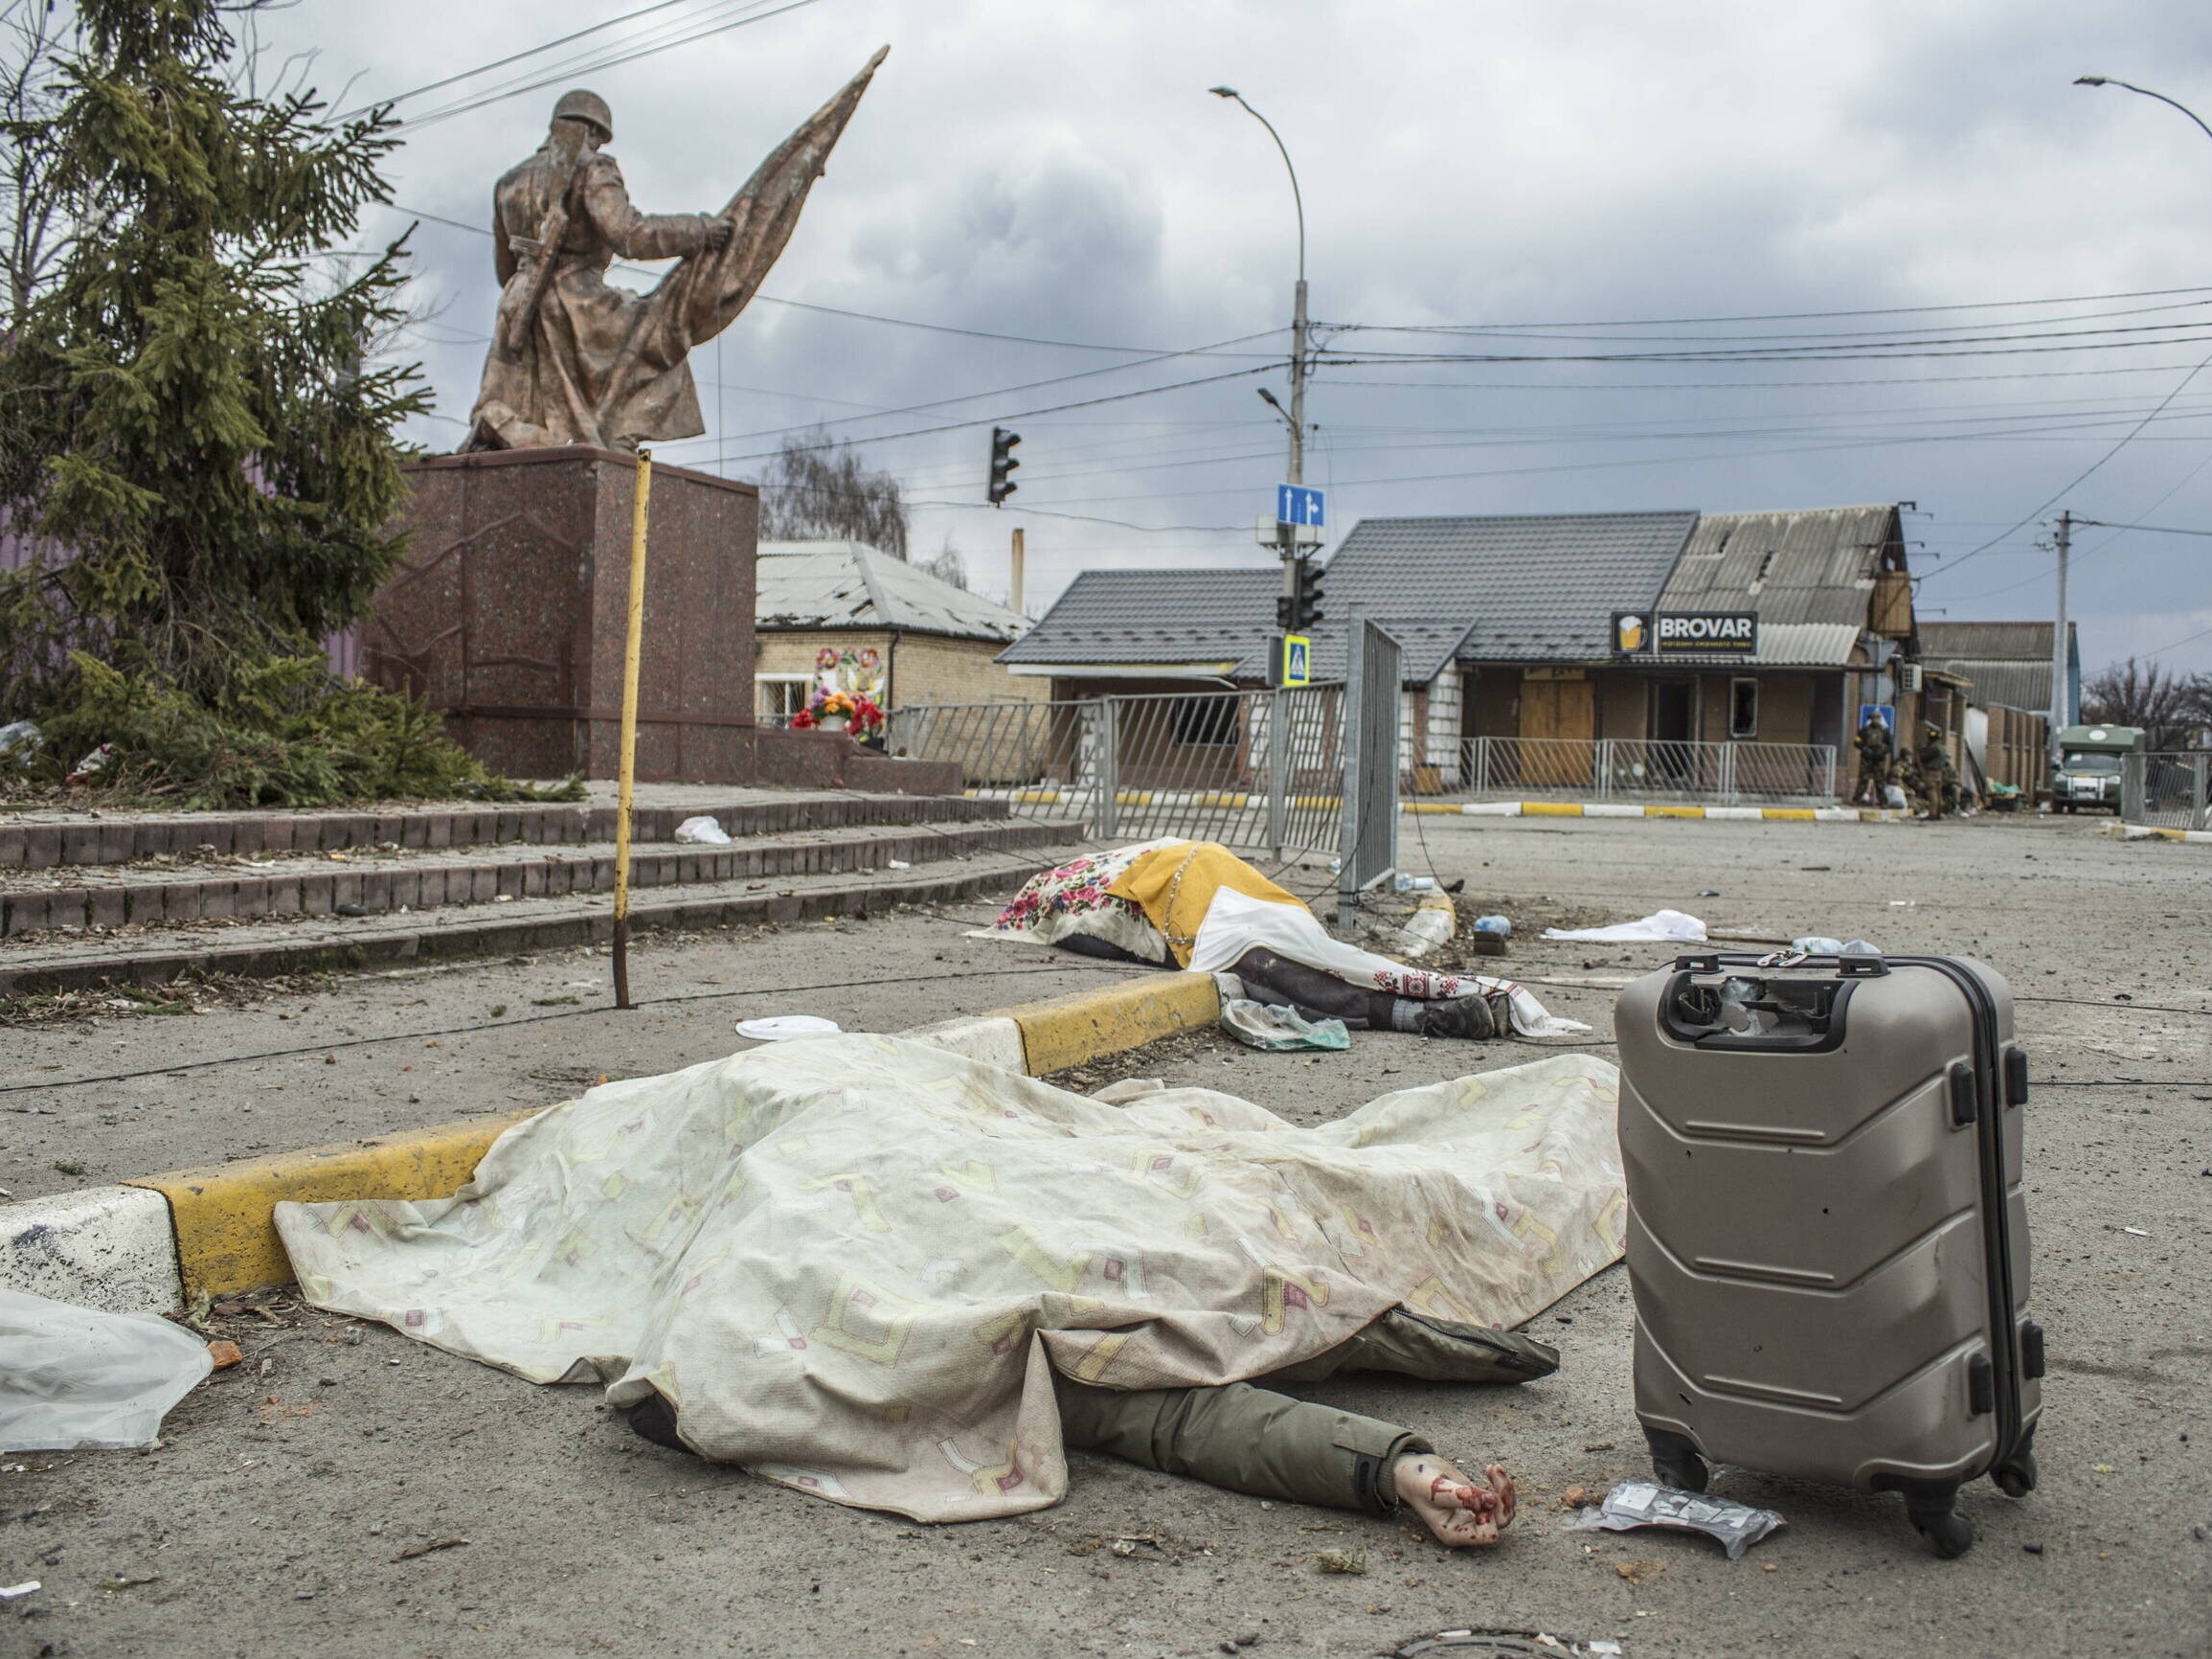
[1636, 1504]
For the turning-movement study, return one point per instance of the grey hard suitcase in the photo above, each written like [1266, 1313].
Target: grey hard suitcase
[1826, 1238]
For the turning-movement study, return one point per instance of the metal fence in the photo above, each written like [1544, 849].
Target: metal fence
[1134, 768]
[1369, 836]
[2168, 791]
[1646, 769]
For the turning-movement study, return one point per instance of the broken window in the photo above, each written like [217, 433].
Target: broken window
[1203, 722]
[1742, 708]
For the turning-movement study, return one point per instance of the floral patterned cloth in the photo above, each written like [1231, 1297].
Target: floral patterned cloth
[1076, 898]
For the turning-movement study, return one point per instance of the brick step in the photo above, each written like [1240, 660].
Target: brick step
[145, 899]
[126, 840]
[264, 949]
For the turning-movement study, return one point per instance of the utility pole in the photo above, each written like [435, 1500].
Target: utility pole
[1014, 599]
[2062, 701]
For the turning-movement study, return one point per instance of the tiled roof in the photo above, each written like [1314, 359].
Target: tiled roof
[1536, 587]
[1218, 619]
[1810, 575]
[848, 585]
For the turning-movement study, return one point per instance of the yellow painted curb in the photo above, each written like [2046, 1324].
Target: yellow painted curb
[1674, 811]
[1799, 814]
[1430, 807]
[225, 1239]
[1066, 1031]
[1552, 809]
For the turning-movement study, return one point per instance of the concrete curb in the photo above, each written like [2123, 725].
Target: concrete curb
[1628, 809]
[2153, 833]
[159, 1242]
[1460, 808]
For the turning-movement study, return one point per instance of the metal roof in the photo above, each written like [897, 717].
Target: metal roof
[848, 585]
[1810, 575]
[1535, 587]
[2008, 662]
[1215, 621]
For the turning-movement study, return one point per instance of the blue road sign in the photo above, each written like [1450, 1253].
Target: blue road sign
[1297, 656]
[1296, 504]
[1885, 713]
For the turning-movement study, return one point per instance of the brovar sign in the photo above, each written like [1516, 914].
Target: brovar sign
[1707, 633]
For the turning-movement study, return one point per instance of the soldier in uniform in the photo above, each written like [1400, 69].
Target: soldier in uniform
[1938, 785]
[1875, 758]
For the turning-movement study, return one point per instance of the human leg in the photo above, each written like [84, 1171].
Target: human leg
[1270, 975]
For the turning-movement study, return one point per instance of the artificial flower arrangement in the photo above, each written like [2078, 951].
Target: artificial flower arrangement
[836, 710]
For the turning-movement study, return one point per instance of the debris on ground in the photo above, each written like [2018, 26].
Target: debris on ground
[1341, 1560]
[1634, 1504]
[703, 831]
[1504, 1644]
[430, 1548]
[82, 1379]
[1659, 928]
[1278, 1028]
[224, 1355]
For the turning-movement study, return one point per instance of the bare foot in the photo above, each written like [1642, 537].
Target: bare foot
[1457, 1512]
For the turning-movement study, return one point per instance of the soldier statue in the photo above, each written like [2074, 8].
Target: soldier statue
[574, 360]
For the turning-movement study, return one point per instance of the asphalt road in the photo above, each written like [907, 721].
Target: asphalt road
[286, 1510]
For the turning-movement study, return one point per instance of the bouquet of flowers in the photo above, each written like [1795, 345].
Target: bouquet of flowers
[837, 709]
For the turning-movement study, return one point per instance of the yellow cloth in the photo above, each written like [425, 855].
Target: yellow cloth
[1176, 906]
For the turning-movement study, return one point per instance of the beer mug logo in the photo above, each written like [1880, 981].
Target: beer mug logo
[1628, 633]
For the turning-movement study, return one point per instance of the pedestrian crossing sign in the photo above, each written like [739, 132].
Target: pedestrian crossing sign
[1298, 660]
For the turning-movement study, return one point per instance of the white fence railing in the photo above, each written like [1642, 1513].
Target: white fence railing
[1136, 767]
[1645, 769]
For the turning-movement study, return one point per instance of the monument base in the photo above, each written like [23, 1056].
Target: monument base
[508, 614]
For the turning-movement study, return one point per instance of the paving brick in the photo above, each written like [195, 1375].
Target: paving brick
[535, 882]
[24, 912]
[483, 885]
[375, 890]
[81, 843]
[107, 906]
[218, 900]
[246, 837]
[180, 901]
[438, 830]
[317, 894]
[283, 896]
[346, 887]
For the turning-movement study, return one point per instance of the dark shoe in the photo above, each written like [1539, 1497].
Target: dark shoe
[1459, 1016]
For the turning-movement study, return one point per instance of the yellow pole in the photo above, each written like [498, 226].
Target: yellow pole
[633, 644]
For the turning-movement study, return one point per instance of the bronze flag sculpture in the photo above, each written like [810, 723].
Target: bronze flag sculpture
[574, 360]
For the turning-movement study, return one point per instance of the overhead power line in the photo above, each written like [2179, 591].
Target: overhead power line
[1793, 316]
[510, 58]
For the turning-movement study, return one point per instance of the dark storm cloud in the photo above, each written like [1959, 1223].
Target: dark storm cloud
[1057, 170]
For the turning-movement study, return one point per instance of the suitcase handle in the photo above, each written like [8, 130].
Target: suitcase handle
[1852, 964]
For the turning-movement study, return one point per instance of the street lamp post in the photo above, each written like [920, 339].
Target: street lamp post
[2062, 701]
[1297, 416]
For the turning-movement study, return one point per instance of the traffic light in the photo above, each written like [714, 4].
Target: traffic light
[1003, 465]
[1305, 607]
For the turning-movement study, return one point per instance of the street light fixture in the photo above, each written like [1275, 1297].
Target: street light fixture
[2107, 81]
[1296, 415]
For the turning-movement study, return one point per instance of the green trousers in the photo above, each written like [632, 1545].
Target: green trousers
[1254, 1439]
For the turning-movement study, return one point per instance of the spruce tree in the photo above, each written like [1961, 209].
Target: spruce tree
[192, 410]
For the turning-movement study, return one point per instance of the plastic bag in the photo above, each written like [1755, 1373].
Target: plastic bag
[1894, 797]
[79, 1380]
[1820, 944]
[20, 741]
[705, 832]
[1277, 1027]
[1636, 1504]
[93, 765]
[1496, 925]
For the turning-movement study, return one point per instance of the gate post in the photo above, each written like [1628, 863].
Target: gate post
[1278, 768]
[1101, 737]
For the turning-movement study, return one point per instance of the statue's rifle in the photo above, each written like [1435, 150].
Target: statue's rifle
[535, 260]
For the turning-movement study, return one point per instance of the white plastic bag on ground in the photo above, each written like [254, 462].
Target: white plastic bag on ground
[79, 1380]
[1277, 1027]
[705, 832]
[1660, 926]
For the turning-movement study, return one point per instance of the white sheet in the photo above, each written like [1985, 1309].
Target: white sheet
[1660, 927]
[854, 1264]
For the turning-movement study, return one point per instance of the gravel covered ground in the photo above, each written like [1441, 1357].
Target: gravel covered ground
[346, 1490]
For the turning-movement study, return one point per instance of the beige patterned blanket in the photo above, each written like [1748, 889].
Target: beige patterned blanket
[853, 1262]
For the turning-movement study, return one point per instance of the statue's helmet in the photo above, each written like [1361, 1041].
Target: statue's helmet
[582, 105]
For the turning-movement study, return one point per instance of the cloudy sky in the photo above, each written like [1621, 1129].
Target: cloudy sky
[1594, 254]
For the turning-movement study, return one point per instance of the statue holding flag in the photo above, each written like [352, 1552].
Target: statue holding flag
[574, 360]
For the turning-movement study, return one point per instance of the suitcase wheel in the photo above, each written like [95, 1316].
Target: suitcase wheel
[1950, 1535]
[1676, 1461]
[2016, 1477]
